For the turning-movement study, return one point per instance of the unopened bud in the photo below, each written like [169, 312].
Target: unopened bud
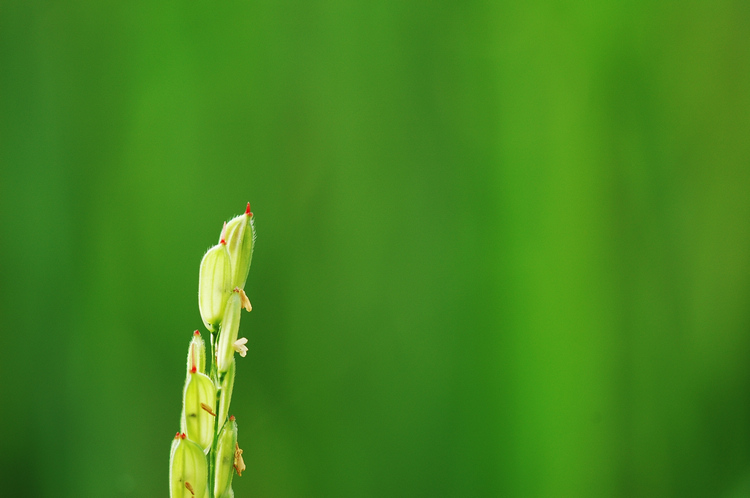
[197, 354]
[225, 450]
[215, 285]
[240, 237]
[225, 398]
[230, 326]
[197, 421]
[188, 469]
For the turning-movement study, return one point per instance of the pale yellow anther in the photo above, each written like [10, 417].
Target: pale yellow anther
[239, 346]
[208, 409]
[239, 463]
[243, 299]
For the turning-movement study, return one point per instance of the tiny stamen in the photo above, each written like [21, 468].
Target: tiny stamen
[208, 409]
[239, 463]
[244, 299]
[239, 346]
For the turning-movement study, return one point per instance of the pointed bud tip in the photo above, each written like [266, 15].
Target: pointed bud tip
[183, 435]
[194, 369]
[177, 436]
[224, 234]
[247, 211]
[231, 417]
[197, 333]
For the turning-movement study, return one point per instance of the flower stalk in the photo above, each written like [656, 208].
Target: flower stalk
[205, 453]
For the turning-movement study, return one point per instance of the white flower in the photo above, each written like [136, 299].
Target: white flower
[239, 346]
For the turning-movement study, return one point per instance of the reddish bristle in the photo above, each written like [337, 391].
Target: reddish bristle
[183, 435]
[231, 417]
[197, 333]
[194, 369]
[247, 211]
[177, 436]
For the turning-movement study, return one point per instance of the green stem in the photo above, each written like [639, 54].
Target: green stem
[212, 453]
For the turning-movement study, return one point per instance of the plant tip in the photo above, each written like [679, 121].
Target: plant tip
[223, 240]
[194, 369]
[231, 417]
[247, 211]
[196, 333]
[183, 435]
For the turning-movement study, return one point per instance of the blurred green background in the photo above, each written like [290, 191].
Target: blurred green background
[503, 247]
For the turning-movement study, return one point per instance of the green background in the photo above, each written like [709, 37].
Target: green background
[503, 247]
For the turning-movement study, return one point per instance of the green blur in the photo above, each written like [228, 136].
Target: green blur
[503, 247]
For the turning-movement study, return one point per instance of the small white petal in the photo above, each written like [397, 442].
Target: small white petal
[239, 346]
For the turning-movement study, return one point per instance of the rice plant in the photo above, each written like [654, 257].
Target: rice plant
[205, 453]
